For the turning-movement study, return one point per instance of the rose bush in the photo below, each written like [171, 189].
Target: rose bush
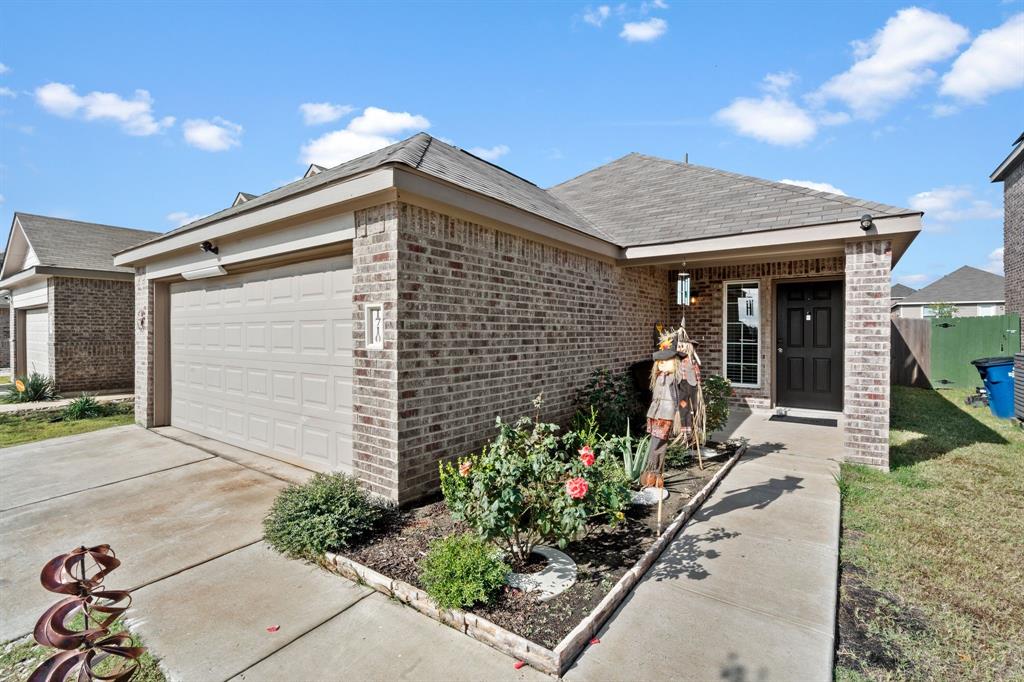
[532, 485]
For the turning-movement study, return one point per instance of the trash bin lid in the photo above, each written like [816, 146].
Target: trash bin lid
[992, 362]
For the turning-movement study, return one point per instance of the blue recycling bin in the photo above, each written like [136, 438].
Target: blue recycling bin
[997, 373]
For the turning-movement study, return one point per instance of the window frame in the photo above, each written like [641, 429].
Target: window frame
[760, 330]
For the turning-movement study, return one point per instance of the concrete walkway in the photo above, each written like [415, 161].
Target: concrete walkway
[748, 589]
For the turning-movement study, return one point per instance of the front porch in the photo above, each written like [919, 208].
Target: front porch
[798, 334]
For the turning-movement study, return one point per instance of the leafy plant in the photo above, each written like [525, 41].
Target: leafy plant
[944, 311]
[633, 452]
[612, 397]
[325, 514]
[83, 407]
[716, 390]
[531, 486]
[462, 570]
[32, 388]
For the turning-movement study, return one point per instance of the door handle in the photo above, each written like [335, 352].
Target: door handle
[780, 349]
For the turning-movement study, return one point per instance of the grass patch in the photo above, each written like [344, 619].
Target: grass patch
[16, 429]
[4, 379]
[931, 552]
[20, 657]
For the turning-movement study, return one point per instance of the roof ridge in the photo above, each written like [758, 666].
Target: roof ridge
[796, 189]
[83, 222]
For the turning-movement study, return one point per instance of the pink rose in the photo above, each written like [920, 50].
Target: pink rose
[577, 488]
[587, 456]
[465, 468]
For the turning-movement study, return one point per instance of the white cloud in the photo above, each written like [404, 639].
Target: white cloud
[819, 186]
[772, 119]
[833, 118]
[135, 115]
[914, 280]
[643, 31]
[214, 135]
[7, 92]
[4, 68]
[179, 218]
[596, 16]
[2, 199]
[894, 62]
[995, 261]
[366, 133]
[942, 110]
[778, 83]
[994, 62]
[317, 113]
[490, 153]
[653, 4]
[952, 204]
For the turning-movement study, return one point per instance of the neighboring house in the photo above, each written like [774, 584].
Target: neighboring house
[1011, 173]
[72, 310]
[375, 317]
[5, 326]
[974, 293]
[900, 292]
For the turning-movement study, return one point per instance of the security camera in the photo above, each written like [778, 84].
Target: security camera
[208, 247]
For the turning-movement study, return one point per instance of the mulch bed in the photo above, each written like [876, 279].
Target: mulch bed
[603, 556]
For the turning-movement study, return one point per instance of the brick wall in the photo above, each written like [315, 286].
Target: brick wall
[1013, 241]
[487, 320]
[5, 337]
[866, 399]
[375, 372]
[142, 320]
[93, 335]
[704, 317]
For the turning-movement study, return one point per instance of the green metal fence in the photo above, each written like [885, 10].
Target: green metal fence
[954, 343]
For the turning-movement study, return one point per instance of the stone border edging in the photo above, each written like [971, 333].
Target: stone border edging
[557, 661]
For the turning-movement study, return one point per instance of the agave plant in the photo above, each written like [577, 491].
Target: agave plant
[31, 388]
[633, 451]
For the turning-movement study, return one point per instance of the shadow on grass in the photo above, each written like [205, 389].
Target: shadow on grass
[940, 426]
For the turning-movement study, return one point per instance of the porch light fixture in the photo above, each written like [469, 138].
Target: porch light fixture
[208, 247]
[203, 273]
[683, 289]
[866, 222]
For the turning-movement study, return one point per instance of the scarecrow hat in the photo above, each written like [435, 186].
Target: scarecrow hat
[664, 354]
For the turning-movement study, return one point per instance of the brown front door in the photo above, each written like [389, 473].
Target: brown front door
[809, 345]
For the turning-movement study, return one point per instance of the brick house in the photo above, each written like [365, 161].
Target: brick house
[1011, 173]
[71, 308]
[5, 326]
[375, 317]
[974, 293]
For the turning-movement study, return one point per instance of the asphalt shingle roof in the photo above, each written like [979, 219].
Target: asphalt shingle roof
[964, 284]
[901, 291]
[65, 243]
[641, 199]
[434, 157]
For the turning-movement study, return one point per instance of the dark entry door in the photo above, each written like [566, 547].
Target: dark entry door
[809, 345]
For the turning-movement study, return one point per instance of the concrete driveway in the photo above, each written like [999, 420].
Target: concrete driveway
[187, 525]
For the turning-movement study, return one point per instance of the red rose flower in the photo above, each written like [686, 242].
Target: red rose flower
[577, 488]
[587, 456]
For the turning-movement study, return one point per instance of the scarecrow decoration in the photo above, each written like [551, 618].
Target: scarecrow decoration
[677, 412]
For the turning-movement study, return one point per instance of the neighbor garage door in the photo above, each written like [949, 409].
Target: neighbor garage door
[37, 341]
[263, 360]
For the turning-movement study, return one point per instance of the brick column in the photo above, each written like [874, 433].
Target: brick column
[145, 302]
[12, 345]
[866, 395]
[375, 371]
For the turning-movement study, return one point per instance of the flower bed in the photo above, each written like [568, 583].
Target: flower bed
[547, 635]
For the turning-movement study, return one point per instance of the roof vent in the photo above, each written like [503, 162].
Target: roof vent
[242, 197]
[313, 170]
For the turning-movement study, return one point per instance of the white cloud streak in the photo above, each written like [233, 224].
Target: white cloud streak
[368, 132]
[134, 115]
[772, 119]
[994, 62]
[215, 135]
[811, 184]
[490, 153]
[643, 31]
[995, 261]
[952, 204]
[596, 16]
[179, 218]
[318, 113]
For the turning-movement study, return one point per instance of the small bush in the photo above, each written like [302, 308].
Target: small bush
[84, 407]
[30, 389]
[612, 397]
[327, 514]
[717, 390]
[462, 570]
[632, 451]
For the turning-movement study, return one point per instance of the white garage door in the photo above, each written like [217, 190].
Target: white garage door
[263, 360]
[37, 341]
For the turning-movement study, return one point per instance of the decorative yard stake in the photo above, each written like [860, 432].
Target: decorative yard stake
[79, 574]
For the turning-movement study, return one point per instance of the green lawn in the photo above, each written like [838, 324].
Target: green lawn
[932, 553]
[20, 657]
[18, 429]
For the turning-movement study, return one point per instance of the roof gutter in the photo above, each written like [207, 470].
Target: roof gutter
[1009, 163]
[54, 271]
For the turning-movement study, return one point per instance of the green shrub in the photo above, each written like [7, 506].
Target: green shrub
[531, 486]
[83, 407]
[326, 514]
[632, 451]
[612, 397]
[33, 388]
[716, 390]
[462, 570]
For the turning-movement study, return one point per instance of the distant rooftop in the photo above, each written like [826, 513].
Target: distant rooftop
[964, 285]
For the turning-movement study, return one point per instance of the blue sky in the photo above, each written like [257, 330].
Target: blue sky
[147, 114]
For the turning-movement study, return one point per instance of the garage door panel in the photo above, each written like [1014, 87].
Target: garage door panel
[264, 361]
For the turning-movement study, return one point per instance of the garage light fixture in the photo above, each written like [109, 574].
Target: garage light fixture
[203, 273]
[208, 247]
[866, 222]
